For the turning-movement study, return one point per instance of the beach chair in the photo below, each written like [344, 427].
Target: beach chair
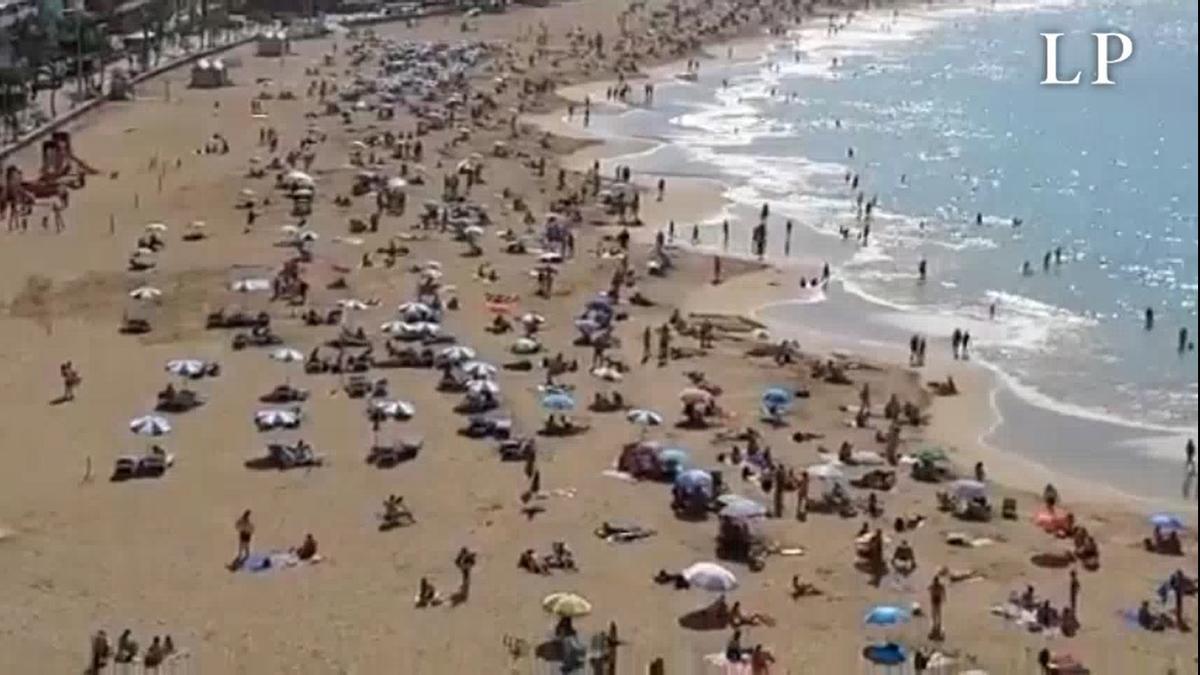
[1008, 509]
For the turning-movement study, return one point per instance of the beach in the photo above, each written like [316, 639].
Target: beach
[82, 553]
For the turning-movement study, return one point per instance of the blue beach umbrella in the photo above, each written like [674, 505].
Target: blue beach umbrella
[1167, 521]
[776, 397]
[742, 507]
[886, 615]
[694, 480]
[674, 457]
[558, 402]
[887, 654]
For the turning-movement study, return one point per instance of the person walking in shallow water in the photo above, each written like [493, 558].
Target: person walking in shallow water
[956, 342]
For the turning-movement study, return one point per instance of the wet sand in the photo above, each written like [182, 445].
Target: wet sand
[150, 555]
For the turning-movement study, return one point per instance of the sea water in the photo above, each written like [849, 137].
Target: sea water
[943, 110]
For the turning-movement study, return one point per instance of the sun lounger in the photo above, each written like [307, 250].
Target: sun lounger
[282, 457]
[284, 394]
[150, 465]
[384, 456]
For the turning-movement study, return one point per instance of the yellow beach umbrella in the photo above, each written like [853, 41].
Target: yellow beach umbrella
[566, 604]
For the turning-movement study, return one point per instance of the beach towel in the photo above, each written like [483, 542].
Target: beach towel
[257, 563]
[726, 666]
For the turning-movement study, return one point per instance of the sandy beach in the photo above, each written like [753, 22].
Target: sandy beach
[81, 553]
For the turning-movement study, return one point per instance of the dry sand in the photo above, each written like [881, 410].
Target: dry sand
[150, 555]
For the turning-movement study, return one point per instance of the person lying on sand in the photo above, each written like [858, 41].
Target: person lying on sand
[561, 557]
[530, 563]
[662, 577]
[803, 589]
[738, 619]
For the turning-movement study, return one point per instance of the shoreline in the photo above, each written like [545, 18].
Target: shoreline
[990, 416]
[66, 527]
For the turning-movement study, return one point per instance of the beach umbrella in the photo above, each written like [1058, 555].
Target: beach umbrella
[931, 455]
[400, 410]
[531, 319]
[145, 293]
[886, 615]
[156, 227]
[566, 605]
[150, 425]
[1167, 521]
[472, 231]
[742, 507]
[291, 230]
[416, 311]
[428, 328]
[968, 489]
[644, 418]
[457, 354]
[308, 235]
[695, 395]
[709, 576]
[825, 472]
[558, 402]
[607, 373]
[251, 285]
[352, 304]
[396, 327]
[186, 367]
[674, 457]
[483, 387]
[286, 355]
[197, 225]
[273, 418]
[694, 479]
[775, 397]
[526, 346]
[479, 370]
[143, 251]
[887, 654]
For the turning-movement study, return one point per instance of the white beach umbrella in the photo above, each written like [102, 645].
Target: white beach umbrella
[550, 257]
[197, 225]
[428, 328]
[531, 319]
[143, 252]
[186, 367]
[251, 285]
[826, 472]
[308, 235]
[289, 229]
[416, 311]
[156, 227]
[473, 231]
[483, 387]
[396, 328]
[274, 418]
[644, 418]
[400, 410]
[479, 370]
[710, 576]
[287, 355]
[150, 425]
[145, 293]
[607, 373]
[455, 354]
[526, 346]
[352, 304]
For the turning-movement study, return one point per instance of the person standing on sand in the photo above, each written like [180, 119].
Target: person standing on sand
[1189, 450]
[662, 188]
[695, 235]
[70, 379]
[725, 234]
[716, 270]
[787, 241]
[937, 597]
[1074, 592]
[465, 562]
[245, 532]
[646, 344]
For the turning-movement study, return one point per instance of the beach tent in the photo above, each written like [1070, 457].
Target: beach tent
[209, 74]
[271, 44]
